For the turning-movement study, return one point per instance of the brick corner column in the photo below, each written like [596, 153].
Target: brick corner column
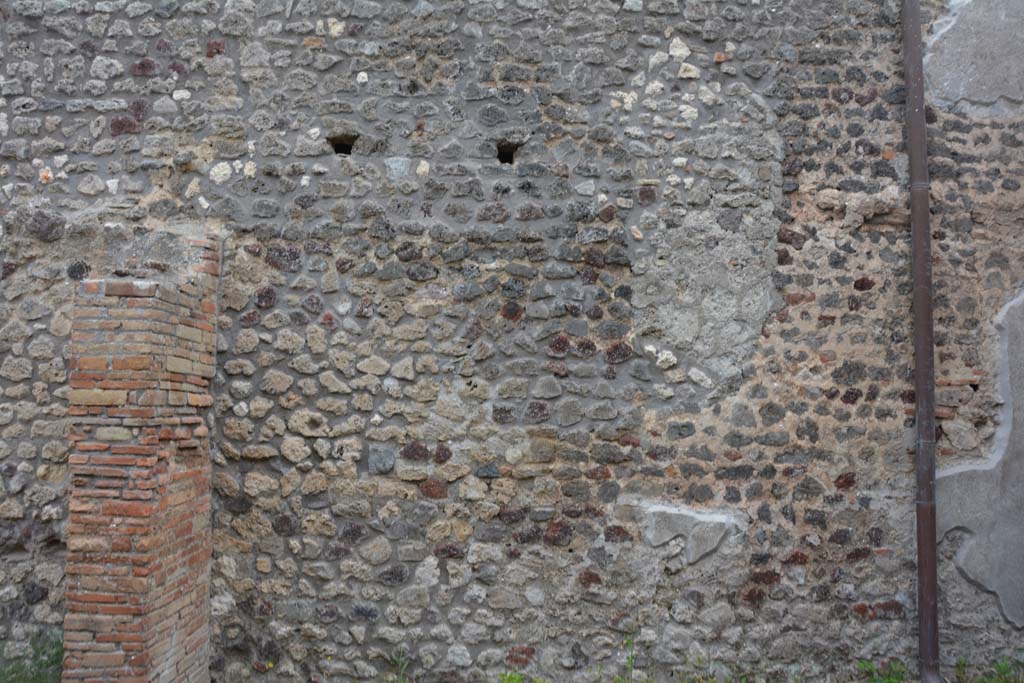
[139, 532]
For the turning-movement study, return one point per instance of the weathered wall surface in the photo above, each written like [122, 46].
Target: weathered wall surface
[977, 187]
[44, 257]
[650, 378]
[33, 446]
[969, 48]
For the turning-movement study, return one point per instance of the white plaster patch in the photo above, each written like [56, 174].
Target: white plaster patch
[703, 531]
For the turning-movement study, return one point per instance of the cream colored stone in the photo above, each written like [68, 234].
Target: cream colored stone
[294, 449]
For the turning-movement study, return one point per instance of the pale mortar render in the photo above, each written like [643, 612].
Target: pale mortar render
[486, 335]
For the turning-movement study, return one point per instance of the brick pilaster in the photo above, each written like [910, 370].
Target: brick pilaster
[139, 540]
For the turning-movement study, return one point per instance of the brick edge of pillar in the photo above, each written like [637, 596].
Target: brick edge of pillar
[139, 532]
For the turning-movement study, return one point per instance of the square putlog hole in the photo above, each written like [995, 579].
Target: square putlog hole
[343, 143]
[507, 151]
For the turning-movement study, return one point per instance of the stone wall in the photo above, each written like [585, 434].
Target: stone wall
[43, 270]
[542, 325]
[35, 328]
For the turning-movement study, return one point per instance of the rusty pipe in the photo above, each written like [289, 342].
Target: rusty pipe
[924, 347]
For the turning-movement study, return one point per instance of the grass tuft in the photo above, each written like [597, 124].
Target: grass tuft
[42, 665]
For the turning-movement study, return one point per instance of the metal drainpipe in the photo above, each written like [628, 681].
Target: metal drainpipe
[924, 352]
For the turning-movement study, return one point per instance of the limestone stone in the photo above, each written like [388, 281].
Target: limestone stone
[276, 382]
[332, 383]
[459, 656]
[308, 423]
[246, 341]
[16, 369]
[314, 483]
[11, 509]
[259, 452]
[91, 185]
[104, 67]
[678, 49]
[295, 449]
[374, 365]
[259, 484]
[403, 369]
[377, 551]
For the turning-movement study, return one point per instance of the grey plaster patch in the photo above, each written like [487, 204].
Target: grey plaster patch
[988, 499]
[702, 272]
[972, 56]
[702, 531]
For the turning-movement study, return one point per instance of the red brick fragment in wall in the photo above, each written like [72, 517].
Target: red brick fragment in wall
[139, 535]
